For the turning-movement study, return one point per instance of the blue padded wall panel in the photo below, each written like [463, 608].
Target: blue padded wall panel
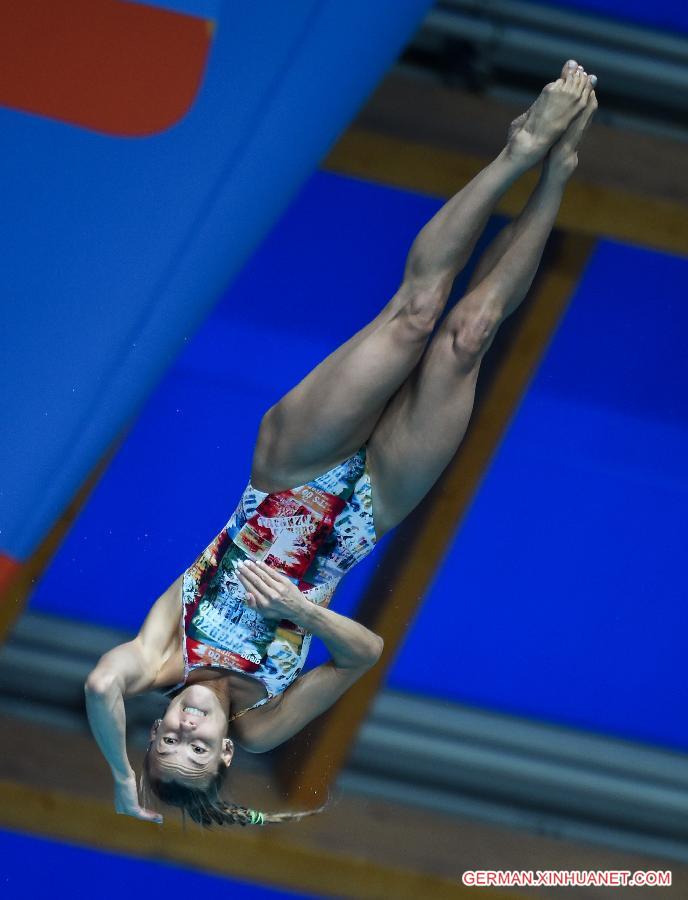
[179, 474]
[116, 249]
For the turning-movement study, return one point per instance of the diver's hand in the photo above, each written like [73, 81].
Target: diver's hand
[127, 801]
[271, 593]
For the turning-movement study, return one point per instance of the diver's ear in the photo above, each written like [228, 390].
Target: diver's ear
[227, 751]
[154, 728]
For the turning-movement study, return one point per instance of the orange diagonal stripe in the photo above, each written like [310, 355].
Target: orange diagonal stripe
[121, 68]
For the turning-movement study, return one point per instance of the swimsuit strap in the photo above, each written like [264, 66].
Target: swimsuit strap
[248, 709]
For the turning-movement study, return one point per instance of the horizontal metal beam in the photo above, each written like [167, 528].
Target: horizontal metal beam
[589, 26]
[441, 747]
[643, 72]
[545, 824]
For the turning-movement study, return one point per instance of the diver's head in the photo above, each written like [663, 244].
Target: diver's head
[189, 754]
[189, 745]
[187, 761]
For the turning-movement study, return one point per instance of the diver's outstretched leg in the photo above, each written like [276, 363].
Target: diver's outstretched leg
[566, 147]
[424, 423]
[334, 409]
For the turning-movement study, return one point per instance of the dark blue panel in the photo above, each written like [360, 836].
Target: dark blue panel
[36, 867]
[666, 14]
[563, 596]
[623, 344]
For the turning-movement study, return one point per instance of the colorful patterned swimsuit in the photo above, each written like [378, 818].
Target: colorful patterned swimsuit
[314, 534]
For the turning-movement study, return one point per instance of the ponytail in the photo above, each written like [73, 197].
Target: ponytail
[205, 806]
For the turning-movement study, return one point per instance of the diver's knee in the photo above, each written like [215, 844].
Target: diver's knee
[470, 333]
[421, 309]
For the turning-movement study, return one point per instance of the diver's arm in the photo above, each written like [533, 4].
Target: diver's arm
[105, 710]
[126, 669]
[129, 669]
[160, 629]
[354, 648]
[275, 597]
[105, 688]
[352, 645]
[308, 697]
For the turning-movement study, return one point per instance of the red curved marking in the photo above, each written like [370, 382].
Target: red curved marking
[121, 68]
[9, 569]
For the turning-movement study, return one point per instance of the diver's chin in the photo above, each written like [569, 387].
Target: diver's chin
[199, 697]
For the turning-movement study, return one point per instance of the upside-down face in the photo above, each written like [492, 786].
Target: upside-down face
[189, 742]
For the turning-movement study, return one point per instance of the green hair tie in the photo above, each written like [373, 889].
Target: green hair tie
[257, 818]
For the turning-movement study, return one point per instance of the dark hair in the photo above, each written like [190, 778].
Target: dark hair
[205, 806]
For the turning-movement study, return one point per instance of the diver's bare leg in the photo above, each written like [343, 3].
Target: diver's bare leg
[566, 147]
[334, 409]
[424, 423]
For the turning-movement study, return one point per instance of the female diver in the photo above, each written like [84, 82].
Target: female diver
[384, 415]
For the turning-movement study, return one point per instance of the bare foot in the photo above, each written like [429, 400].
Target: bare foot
[533, 134]
[562, 159]
[519, 120]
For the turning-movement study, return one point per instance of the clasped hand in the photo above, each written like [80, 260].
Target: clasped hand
[270, 592]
